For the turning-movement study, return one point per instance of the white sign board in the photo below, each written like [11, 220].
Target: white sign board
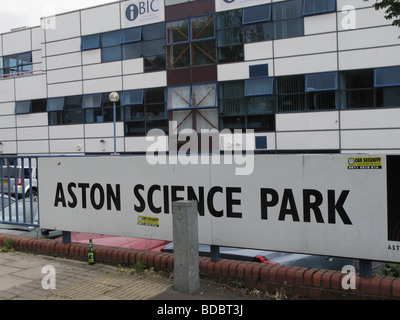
[141, 12]
[336, 205]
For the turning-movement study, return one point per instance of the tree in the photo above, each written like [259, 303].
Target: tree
[392, 9]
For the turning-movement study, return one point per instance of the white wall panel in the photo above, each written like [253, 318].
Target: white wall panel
[258, 50]
[354, 3]
[64, 61]
[33, 147]
[7, 108]
[8, 134]
[137, 144]
[366, 38]
[30, 87]
[363, 18]
[67, 26]
[369, 58]
[306, 64]
[307, 140]
[63, 47]
[7, 90]
[363, 119]
[370, 139]
[8, 121]
[307, 121]
[239, 70]
[145, 80]
[67, 146]
[32, 119]
[37, 38]
[103, 130]
[132, 66]
[17, 42]
[95, 146]
[66, 132]
[305, 45]
[100, 19]
[35, 133]
[109, 69]
[102, 85]
[64, 89]
[9, 147]
[320, 23]
[91, 56]
[64, 75]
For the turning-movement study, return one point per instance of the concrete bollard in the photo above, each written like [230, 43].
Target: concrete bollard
[186, 246]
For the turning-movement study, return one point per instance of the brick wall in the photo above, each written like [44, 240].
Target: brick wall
[307, 283]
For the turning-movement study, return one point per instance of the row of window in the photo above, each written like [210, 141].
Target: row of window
[241, 104]
[208, 39]
[16, 65]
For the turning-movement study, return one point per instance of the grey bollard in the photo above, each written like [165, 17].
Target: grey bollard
[186, 246]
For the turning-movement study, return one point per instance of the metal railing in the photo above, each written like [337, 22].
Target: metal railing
[19, 191]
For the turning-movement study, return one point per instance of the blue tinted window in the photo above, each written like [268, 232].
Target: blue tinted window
[55, 104]
[387, 77]
[257, 14]
[154, 31]
[23, 107]
[111, 54]
[131, 35]
[154, 47]
[91, 101]
[318, 6]
[258, 71]
[90, 42]
[321, 82]
[132, 97]
[259, 87]
[110, 39]
[261, 143]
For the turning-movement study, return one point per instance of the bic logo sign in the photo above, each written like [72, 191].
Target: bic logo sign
[143, 7]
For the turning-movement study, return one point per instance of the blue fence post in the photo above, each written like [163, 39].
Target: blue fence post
[215, 256]
[66, 237]
[365, 268]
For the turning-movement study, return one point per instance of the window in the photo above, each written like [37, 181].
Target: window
[256, 14]
[197, 96]
[191, 42]
[150, 114]
[90, 42]
[318, 6]
[132, 97]
[321, 82]
[258, 71]
[131, 35]
[259, 87]
[91, 101]
[55, 104]
[288, 17]
[22, 107]
[247, 104]
[17, 64]
[386, 77]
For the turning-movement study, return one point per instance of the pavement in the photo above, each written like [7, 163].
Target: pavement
[26, 276]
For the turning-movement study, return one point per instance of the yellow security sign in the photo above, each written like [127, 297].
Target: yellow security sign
[148, 221]
[364, 163]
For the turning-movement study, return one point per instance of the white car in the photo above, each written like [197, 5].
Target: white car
[25, 185]
[27, 213]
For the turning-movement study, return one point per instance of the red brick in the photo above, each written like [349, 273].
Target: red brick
[291, 275]
[256, 271]
[299, 276]
[281, 274]
[225, 267]
[386, 286]
[218, 267]
[203, 262]
[315, 293]
[317, 278]
[336, 280]
[396, 288]
[308, 276]
[232, 269]
[326, 279]
[272, 276]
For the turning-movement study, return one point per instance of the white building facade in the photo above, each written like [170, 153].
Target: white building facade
[307, 76]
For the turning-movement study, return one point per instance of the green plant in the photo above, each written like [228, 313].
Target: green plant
[8, 245]
[392, 270]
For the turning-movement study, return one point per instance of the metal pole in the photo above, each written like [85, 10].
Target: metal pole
[115, 130]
